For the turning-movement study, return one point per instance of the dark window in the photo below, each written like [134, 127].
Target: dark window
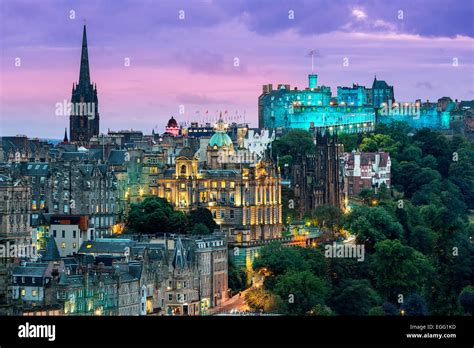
[64, 234]
[74, 234]
[54, 233]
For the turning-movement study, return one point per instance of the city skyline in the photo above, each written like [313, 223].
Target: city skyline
[190, 61]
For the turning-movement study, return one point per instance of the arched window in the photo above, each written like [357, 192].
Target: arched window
[183, 170]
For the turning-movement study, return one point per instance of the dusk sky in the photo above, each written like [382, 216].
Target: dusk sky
[190, 62]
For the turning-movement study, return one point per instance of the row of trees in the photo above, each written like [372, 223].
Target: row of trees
[156, 214]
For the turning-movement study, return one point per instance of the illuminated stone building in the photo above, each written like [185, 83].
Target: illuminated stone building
[365, 170]
[182, 287]
[317, 179]
[244, 197]
[315, 107]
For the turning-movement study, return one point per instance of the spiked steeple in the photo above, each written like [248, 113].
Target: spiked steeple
[65, 140]
[84, 124]
[179, 255]
[84, 74]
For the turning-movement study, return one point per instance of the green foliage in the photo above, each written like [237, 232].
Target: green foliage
[153, 215]
[200, 229]
[372, 224]
[327, 216]
[354, 297]
[203, 216]
[376, 142]
[466, 299]
[278, 259]
[289, 214]
[237, 280]
[295, 142]
[416, 234]
[399, 269]
[350, 141]
[299, 292]
[320, 310]
[415, 305]
[377, 311]
[156, 214]
[261, 299]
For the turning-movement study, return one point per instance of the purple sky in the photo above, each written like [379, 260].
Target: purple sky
[190, 62]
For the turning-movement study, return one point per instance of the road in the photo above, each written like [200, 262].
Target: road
[236, 303]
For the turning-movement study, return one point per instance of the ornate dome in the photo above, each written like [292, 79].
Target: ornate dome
[220, 139]
[172, 123]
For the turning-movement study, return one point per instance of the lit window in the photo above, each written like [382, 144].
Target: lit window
[63, 245]
[223, 184]
[23, 292]
[232, 184]
[33, 293]
[214, 184]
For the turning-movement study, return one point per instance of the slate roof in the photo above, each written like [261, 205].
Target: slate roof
[51, 253]
[29, 271]
[186, 152]
[105, 246]
[117, 157]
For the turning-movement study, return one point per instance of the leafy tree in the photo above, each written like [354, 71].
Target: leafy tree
[200, 229]
[390, 308]
[278, 259]
[354, 297]
[410, 153]
[315, 260]
[376, 142]
[372, 224]
[320, 310]
[422, 239]
[466, 299]
[289, 213]
[327, 216]
[368, 196]
[152, 215]
[204, 216]
[429, 161]
[415, 305]
[350, 141]
[377, 311]
[340, 270]
[294, 143]
[260, 299]
[399, 269]
[300, 291]
[237, 277]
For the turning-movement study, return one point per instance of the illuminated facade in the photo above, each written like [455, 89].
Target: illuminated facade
[244, 198]
[314, 107]
[430, 115]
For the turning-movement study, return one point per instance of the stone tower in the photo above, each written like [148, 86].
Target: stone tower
[84, 118]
